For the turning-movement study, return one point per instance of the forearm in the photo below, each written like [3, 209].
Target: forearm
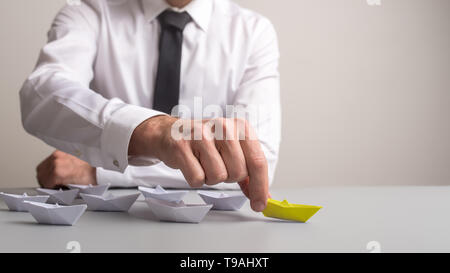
[74, 119]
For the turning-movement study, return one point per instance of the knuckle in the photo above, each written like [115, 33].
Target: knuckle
[216, 178]
[221, 122]
[207, 133]
[57, 154]
[212, 182]
[258, 162]
[242, 128]
[204, 145]
[197, 180]
[221, 176]
[238, 175]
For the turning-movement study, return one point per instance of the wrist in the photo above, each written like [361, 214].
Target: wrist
[94, 176]
[147, 138]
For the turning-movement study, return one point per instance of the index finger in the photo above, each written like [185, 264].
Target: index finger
[258, 186]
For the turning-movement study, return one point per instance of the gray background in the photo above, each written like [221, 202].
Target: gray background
[365, 90]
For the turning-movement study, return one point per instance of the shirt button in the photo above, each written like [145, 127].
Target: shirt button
[116, 163]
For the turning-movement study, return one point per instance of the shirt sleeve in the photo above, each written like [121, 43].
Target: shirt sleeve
[58, 105]
[259, 91]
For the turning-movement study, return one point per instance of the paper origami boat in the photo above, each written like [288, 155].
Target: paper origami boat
[92, 190]
[177, 212]
[223, 201]
[285, 210]
[55, 214]
[60, 196]
[15, 202]
[161, 194]
[110, 202]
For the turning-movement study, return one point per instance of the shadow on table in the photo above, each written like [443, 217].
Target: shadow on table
[231, 216]
[282, 221]
[236, 216]
[35, 224]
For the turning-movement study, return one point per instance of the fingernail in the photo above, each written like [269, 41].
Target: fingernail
[259, 206]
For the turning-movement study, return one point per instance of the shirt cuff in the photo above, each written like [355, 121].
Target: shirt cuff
[114, 179]
[117, 133]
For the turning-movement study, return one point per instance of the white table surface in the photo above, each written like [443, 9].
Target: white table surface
[399, 219]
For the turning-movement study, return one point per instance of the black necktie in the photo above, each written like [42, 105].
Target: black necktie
[167, 87]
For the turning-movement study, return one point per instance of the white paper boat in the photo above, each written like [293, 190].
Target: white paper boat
[223, 201]
[90, 189]
[177, 212]
[110, 202]
[161, 194]
[60, 196]
[15, 202]
[55, 214]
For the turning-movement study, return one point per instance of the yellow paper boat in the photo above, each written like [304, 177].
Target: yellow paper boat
[285, 210]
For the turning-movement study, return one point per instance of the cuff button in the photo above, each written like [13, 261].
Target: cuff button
[116, 163]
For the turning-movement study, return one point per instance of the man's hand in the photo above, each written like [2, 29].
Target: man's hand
[61, 169]
[205, 158]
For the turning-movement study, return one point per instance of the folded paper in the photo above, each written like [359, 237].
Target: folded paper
[223, 201]
[110, 202]
[55, 214]
[90, 189]
[177, 212]
[285, 210]
[161, 194]
[60, 196]
[15, 202]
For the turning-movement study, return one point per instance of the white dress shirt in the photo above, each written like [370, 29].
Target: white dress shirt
[94, 80]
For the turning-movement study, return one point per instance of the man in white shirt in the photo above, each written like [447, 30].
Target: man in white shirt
[111, 73]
